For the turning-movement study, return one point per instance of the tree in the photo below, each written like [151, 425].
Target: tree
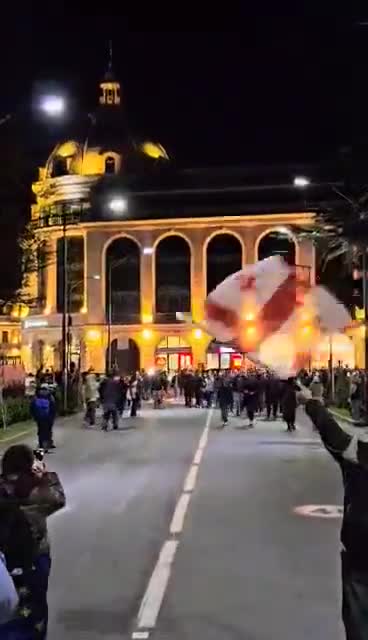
[36, 256]
[340, 231]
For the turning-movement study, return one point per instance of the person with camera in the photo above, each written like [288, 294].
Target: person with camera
[28, 495]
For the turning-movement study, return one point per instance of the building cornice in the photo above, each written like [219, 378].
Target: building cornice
[297, 218]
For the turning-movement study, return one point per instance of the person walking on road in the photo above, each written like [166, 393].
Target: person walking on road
[356, 396]
[351, 454]
[43, 412]
[135, 393]
[250, 399]
[90, 397]
[289, 404]
[110, 396]
[272, 396]
[237, 386]
[225, 398]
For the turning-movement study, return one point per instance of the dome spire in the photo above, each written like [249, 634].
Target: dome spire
[110, 88]
[110, 57]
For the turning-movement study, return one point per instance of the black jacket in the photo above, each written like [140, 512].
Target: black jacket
[351, 453]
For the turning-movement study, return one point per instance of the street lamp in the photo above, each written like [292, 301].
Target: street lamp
[118, 205]
[53, 105]
[301, 181]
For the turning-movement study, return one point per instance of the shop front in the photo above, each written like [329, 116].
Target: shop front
[225, 356]
[173, 353]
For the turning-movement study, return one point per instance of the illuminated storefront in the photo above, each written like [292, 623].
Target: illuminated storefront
[173, 353]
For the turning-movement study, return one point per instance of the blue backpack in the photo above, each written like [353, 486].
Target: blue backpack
[42, 406]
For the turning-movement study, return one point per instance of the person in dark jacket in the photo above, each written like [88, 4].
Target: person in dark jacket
[188, 384]
[351, 454]
[37, 493]
[225, 398]
[43, 412]
[289, 403]
[272, 395]
[110, 392]
[198, 386]
[250, 398]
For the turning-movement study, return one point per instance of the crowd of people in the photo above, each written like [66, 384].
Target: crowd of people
[29, 493]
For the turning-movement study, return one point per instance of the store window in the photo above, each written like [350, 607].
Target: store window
[213, 361]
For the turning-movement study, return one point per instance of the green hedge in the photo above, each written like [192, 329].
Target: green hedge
[17, 410]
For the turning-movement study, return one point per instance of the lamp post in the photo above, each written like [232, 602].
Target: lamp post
[64, 334]
[117, 205]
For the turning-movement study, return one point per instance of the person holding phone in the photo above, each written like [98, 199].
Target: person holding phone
[30, 492]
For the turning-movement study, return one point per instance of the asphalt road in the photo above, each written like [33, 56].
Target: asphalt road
[246, 566]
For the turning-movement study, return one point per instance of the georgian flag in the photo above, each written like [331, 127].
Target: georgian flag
[272, 315]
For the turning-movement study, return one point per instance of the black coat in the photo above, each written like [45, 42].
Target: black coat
[351, 454]
[288, 403]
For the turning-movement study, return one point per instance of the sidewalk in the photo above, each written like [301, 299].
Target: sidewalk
[24, 429]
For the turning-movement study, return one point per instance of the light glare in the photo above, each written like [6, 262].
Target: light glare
[301, 181]
[53, 106]
[118, 205]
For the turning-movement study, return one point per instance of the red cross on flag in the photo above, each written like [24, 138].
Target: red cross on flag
[274, 318]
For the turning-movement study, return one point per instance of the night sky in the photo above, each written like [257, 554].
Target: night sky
[276, 90]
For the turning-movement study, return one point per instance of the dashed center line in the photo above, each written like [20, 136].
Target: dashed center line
[156, 589]
[191, 479]
[177, 523]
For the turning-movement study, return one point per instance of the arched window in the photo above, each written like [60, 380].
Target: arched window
[224, 257]
[173, 291]
[277, 243]
[123, 297]
[60, 167]
[110, 164]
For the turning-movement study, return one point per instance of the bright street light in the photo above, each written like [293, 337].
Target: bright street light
[147, 251]
[301, 181]
[118, 205]
[96, 276]
[53, 106]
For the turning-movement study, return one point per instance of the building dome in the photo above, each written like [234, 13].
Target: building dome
[106, 147]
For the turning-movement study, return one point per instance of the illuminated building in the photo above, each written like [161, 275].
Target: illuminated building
[146, 242]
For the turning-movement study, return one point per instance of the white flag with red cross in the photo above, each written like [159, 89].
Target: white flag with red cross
[273, 316]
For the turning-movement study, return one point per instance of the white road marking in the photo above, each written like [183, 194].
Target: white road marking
[204, 438]
[191, 479]
[177, 522]
[155, 592]
[151, 603]
[198, 457]
[320, 511]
